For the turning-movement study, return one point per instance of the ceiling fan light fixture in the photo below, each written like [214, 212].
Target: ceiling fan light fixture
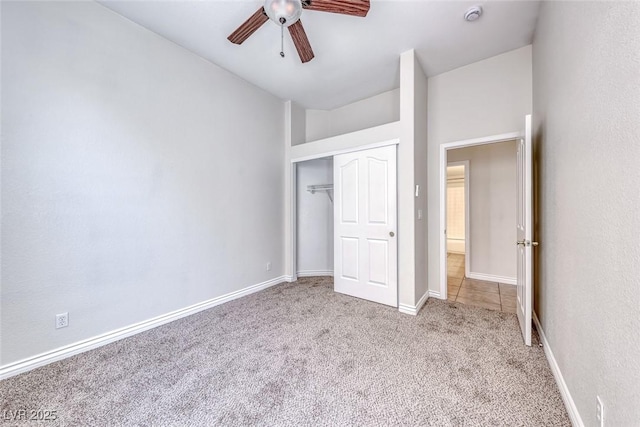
[286, 13]
[283, 12]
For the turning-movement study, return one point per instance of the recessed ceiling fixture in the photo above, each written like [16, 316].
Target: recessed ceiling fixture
[473, 13]
[286, 13]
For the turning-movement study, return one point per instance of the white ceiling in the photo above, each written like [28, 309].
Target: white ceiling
[355, 57]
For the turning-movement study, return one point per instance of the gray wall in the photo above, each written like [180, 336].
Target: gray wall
[314, 218]
[492, 207]
[586, 78]
[137, 178]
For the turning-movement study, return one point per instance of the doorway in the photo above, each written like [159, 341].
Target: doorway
[480, 205]
[523, 223]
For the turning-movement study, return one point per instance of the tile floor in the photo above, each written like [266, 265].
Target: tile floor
[491, 295]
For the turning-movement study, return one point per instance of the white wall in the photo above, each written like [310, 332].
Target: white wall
[492, 208]
[412, 233]
[420, 179]
[586, 69]
[315, 219]
[374, 111]
[338, 144]
[489, 97]
[137, 178]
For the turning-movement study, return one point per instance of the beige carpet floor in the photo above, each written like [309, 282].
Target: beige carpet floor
[299, 354]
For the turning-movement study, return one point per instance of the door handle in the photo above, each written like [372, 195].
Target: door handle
[534, 243]
[526, 243]
[521, 242]
[391, 233]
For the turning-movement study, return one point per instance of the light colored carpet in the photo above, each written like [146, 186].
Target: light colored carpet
[300, 354]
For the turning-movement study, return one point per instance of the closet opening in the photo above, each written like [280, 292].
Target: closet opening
[314, 211]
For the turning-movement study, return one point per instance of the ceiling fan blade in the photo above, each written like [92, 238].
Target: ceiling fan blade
[301, 41]
[346, 7]
[249, 27]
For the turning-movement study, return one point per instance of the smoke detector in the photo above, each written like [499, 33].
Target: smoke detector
[473, 13]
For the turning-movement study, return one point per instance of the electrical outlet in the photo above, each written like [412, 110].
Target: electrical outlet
[599, 411]
[268, 267]
[62, 320]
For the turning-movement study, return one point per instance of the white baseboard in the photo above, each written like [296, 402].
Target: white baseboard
[572, 410]
[42, 359]
[435, 294]
[407, 309]
[313, 273]
[492, 278]
[289, 278]
[413, 310]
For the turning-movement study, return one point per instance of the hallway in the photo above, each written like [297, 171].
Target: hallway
[479, 293]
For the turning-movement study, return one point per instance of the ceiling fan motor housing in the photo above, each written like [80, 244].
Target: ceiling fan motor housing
[283, 12]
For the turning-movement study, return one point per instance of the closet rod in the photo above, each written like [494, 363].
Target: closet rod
[321, 187]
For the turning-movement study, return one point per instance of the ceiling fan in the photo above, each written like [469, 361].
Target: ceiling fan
[286, 13]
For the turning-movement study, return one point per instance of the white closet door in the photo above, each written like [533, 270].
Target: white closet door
[365, 225]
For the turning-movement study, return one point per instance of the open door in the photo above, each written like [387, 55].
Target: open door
[525, 232]
[365, 225]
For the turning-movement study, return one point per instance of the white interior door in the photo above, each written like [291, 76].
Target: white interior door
[365, 225]
[525, 232]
